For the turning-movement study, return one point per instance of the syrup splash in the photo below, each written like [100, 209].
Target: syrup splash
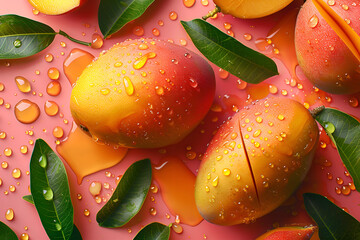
[177, 185]
[85, 156]
[75, 64]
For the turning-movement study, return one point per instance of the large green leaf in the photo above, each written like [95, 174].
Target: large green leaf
[334, 223]
[50, 191]
[75, 234]
[128, 196]
[344, 130]
[22, 37]
[114, 14]
[228, 53]
[154, 231]
[6, 233]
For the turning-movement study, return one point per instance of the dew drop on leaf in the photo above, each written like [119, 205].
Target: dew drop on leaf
[330, 128]
[48, 194]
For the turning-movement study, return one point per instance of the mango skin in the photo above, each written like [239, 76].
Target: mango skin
[257, 160]
[324, 58]
[249, 9]
[143, 93]
[289, 233]
[54, 7]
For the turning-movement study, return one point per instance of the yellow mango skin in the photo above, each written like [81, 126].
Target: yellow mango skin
[143, 93]
[279, 141]
[226, 199]
[55, 7]
[251, 9]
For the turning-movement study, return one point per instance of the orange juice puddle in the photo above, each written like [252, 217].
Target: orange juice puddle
[75, 64]
[281, 39]
[177, 186]
[85, 156]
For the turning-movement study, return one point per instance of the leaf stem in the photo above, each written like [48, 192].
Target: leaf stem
[316, 111]
[212, 13]
[73, 39]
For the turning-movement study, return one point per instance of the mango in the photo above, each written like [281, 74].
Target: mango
[327, 45]
[55, 7]
[289, 233]
[256, 161]
[251, 8]
[143, 93]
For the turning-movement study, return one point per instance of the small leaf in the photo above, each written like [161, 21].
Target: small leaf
[228, 53]
[334, 223]
[28, 198]
[128, 196]
[114, 14]
[22, 37]
[344, 130]
[50, 191]
[6, 233]
[154, 231]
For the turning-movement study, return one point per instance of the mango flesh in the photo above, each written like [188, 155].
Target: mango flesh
[256, 161]
[327, 52]
[251, 8]
[55, 7]
[289, 233]
[143, 93]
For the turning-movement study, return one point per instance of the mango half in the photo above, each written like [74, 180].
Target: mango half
[143, 93]
[256, 161]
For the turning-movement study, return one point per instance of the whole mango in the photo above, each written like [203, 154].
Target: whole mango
[328, 46]
[256, 161]
[143, 93]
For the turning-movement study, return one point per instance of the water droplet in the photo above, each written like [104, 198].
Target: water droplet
[23, 84]
[247, 36]
[129, 87]
[7, 152]
[257, 133]
[4, 165]
[177, 228]
[51, 108]
[17, 43]
[313, 22]
[9, 214]
[58, 132]
[53, 88]
[281, 117]
[173, 15]
[26, 111]
[96, 41]
[49, 57]
[16, 173]
[155, 32]
[43, 161]
[138, 31]
[226, 171]
[331, 2]
[24, 236]
[153, 211]
[159, 90]
[215, 181]
[142, 61]
[57, 226]
[330, 128]
[48, 194]
[86, 212]
[105, 91]
[95, 188]
[53, 73]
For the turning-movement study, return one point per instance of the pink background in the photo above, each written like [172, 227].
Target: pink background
[81, 24]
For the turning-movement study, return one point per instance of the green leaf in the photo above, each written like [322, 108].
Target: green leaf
[344, 130]
[50, 191]
[28, 198]
[6, 233]
[128, 196]
[114, 14]
[228, 53]
[334, 223]
[154, 231]
[76, 235]
[22, 37]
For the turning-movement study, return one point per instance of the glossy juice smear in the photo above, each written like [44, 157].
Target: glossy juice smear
[177, 186]
[75, 63]
[85, 156]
